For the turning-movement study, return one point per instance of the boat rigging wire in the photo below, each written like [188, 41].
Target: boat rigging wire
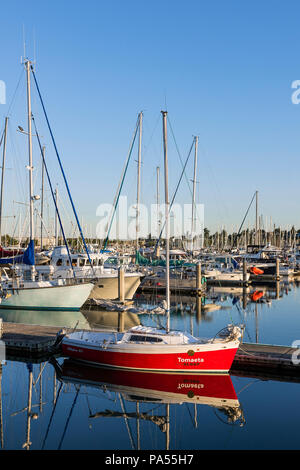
[61, 167]
[53, 196]
[116, 201]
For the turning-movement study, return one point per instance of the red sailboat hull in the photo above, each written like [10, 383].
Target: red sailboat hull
[185, 359]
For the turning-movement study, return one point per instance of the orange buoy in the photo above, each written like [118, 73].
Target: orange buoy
[257, 295]
[256, 271]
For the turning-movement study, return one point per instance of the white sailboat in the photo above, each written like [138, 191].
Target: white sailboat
[105, 279]
[27, 291]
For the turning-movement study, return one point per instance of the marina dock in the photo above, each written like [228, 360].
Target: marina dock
[36, 341]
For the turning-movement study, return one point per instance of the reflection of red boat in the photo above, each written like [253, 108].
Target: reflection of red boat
[215, 390]
[257, 295]
[256, 271]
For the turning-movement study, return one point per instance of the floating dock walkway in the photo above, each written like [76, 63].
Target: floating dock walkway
[36, 341]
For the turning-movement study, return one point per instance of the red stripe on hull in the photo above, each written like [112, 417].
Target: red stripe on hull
[218, 360]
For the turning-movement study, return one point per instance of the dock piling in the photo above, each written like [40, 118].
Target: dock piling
[198, 279]
[121, 284]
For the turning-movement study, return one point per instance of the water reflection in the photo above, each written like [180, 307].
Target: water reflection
[57, 318]
[52, 394]
[105, 319]
[64, 404]
[143, 388]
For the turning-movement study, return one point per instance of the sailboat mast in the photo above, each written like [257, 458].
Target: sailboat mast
[56, 217]
[256, 219]
[30, 167]
[158, 198]
[139, 179]
[194, 189]
[164, 114]
[42, 198]
[2, 176]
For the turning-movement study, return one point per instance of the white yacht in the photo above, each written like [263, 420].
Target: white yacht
[105, 279]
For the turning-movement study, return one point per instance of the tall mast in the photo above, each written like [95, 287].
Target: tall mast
[194, 189]
[164, 113]
[138, 179]
[56, 218]
[2, 176]
[158, 198]
[256, 219]
[42, 198]
[30, 167]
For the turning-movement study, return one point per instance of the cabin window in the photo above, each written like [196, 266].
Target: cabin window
[82, 262]
[59, 262]
[148, 339]
[74, 262]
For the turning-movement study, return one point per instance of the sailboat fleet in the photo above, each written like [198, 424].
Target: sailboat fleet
[68, 279]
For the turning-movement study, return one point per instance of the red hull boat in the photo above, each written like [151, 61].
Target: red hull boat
[149, 349]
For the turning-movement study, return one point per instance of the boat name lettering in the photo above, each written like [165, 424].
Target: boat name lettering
[74, 349]
[189, 360]
[180, 386]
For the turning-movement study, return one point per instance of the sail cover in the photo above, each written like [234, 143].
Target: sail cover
[26, 258]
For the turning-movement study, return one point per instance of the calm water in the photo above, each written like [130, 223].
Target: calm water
[66, 406]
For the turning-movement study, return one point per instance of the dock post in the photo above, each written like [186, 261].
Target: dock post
[1, 327]
[245, 282]
[121, 284]
[198, 279]
[277, 269]
[121, 322]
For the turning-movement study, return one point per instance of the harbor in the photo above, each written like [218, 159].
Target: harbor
[124, 400]
[149, 230]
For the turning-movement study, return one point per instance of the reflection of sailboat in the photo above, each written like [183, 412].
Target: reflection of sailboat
[216, 391]
[110, 320]
[206, 389]
[67, 319]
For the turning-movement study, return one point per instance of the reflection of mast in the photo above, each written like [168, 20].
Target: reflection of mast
[167, 426]
[1, 419]
[27, 444]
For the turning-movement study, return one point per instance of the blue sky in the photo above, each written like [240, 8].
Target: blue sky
[222, 69]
